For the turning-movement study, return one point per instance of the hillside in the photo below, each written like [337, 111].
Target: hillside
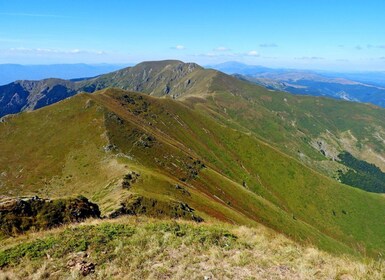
[313, 130]
[132, 153]
[165, 78]
[140, 248]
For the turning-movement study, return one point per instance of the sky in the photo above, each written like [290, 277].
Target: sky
[332, 35]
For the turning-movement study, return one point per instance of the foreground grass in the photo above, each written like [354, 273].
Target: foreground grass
[142, 248]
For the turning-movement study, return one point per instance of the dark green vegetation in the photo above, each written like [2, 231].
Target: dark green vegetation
[225, 150]
[362, 174]
[21, 215]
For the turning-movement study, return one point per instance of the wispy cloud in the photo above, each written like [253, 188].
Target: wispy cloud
[268, 45]
[229, 54]
[222, 49]
[358, 47]
[42, 51]
[382, 57]
[369, 46]
[309, 58]
[252, 53]
[178, 47]
[32, 15]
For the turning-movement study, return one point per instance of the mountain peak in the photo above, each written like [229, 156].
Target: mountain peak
[166, 64]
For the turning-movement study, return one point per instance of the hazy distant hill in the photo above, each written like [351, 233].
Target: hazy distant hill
[13, 72]
[362, 87]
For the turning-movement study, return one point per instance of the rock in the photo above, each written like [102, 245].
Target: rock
[89, 104]
[87, 268]
[79, 262]
[109, 148]
[182, 189]
[130, 179]
[18, 215]
[140, 205]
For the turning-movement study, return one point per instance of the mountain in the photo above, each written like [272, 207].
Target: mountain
[234, 67]
[14, 72]
[169, 77]
[208, 148]
[336, 85]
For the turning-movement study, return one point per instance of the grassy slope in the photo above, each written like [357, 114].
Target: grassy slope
[293, 123]
[280, 192]
[137, 248]
[300, 192]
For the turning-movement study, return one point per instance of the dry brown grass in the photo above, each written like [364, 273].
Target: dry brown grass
[157, 251]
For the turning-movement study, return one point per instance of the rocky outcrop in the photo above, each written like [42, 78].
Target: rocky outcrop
[140, 205]
[18, 215]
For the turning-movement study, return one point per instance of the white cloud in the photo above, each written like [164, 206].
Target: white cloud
[54, 51]
[252, 53]
[222, 49]
[179, 47]
[309, 58]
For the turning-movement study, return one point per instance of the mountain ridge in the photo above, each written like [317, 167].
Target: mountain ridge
[169, 77]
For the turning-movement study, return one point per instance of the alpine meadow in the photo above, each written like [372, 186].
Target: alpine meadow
[214, 169]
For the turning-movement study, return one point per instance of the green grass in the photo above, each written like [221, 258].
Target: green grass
[244, 180]
[140, 248]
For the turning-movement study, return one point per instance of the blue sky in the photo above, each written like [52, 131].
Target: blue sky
[312, 34]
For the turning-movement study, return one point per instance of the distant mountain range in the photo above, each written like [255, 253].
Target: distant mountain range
[367, 87]
[14, 72]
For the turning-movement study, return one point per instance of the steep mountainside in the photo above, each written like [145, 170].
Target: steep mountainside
[136, 154]
[166, 78]
[28, 95]
[313, 130]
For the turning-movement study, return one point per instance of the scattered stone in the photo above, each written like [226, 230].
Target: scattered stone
[130, 179]
[182, 189]
[109, 148]
[78, 262]
[146, 141]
